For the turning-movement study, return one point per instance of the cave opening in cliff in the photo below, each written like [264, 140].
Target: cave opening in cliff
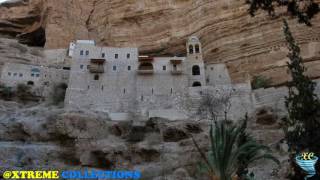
[35, 38]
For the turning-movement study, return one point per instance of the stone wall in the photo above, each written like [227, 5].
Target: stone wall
[42, 79]
[274, 98]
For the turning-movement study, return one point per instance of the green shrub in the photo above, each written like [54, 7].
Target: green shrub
[260, 82]
[59, 93]
[24, 93]
[6, 92]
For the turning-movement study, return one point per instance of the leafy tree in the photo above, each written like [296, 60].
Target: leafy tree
[232, 150]
[302, 125]
[304, 10]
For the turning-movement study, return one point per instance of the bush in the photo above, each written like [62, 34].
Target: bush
[24, 93]
[260, 82]
[6, 92]
[59, 93]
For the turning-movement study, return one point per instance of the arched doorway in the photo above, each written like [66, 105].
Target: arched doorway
[195, 70]
[196, 84]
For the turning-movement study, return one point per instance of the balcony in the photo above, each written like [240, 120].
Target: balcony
[96, 65]
[145, 59]
[176, 61]
[176, 72]
[145, 68]
[97, 61]
[95, 68]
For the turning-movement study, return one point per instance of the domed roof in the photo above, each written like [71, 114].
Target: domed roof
[193, 39]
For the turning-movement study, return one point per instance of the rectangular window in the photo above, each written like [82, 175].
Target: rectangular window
[116, 56]
[128, 56]
[9, 73]
[20, 74]
[114, 68]
[37, 75]
[164, 68]
[15, 74]
[88, 66]
[102, 88]
[103, 55]
[124, 91]
[32, 75]
[81, 52]
[87, 53]
[129, 68]
[81, 66]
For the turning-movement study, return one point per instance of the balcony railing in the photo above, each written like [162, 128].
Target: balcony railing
[176, 72]
[94, 68]
[145, 59]
[176, 61]
[97, 61]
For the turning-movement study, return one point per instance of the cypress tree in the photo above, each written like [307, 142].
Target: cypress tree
[302, 127]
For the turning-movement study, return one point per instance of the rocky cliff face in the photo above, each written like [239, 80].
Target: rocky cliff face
[33, 136]
[249, 46]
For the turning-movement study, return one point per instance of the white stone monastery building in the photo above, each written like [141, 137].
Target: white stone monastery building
[120, 82]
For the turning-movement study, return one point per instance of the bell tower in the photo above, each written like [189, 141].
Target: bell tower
[196, 69]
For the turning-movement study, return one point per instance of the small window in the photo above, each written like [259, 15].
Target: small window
[96, 77]
[114, 68]
[87, 53]
[37, 75]
[81, 52]
[211, 68]
[171, 91]
[164, 68]
[141, 98]
[152, 91]
[32, 75]
[102, 88]
[129, 68]
[124, 91]
[128, 56]
[9, 73]
[88, 66]
[88, 87]
[81, 66]
[15, 74]
[116, 56]
[103, 55]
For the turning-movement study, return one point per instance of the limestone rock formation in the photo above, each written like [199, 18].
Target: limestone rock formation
[248, 45]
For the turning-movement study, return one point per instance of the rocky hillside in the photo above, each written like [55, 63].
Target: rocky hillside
[33, 136]
[249, 46]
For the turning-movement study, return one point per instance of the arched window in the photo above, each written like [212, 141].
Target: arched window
[196, 70]
[146, 66]
[196, 84]
[190, 49]
[197, 48]
[96, 77]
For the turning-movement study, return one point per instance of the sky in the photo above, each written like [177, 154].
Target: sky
[3, 1]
